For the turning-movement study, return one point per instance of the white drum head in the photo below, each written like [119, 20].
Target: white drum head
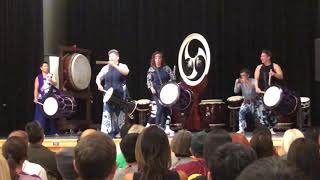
[143, 101]
[169, 93]
[234, 98]
[304, 99]
[272, 96]
[107, 95]
[50, 106]
[80, 71]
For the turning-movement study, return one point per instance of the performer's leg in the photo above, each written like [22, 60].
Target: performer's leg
[52, 126]
[159, 114]
[152, 117]
[39, 117]
[244, 109]
[164, 116]
[106, 123]
[119, 122]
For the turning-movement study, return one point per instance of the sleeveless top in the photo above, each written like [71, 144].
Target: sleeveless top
[264, 77]
[44, 86]
[171, 175]
[115, 80]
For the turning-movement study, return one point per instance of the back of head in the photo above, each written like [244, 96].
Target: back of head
[262, 130]
[4, 169]
[124, 129]
[180, 143]
[270, 168]
[95, 156]
[64, 159]
[153, 153]
[312, 133]
[128, 146]
[136, 128]
[215, 138]
[289, 136]
[229, 160]
[197, 143]
[304, 153]
[87, 132]
[262, 144]
[19, 133]
[35, 132]
[15, 151]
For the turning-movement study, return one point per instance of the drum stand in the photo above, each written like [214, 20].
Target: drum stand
[233, 115]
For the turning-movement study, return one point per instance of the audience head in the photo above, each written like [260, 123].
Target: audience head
[304, 153]
[136, 128]
[87, 132]
[313, 134]
[262, 130]
[239, 138]
[19, 133]
[215, 138]
[4, 169]
[270, 168]
[197, 143]
[289, 136]
[124, 129]
[35, 132]
[128, 145]
[15, 151]
[64, 159]
[153, 153]
[181, 143]
[262, 144]
[229, 160]
[95, 157]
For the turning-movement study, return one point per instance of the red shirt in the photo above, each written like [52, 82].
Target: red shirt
[196, 166]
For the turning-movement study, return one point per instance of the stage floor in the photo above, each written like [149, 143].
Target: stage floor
[56, 143]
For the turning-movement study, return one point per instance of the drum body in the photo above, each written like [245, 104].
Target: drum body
[305, 102]
[76, 71]
[213, 113]
[143, 105]
[235, 101]
[58, 106]
[175, 96]
[281, 102]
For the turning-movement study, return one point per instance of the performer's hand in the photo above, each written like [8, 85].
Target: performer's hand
[153, 91]
[258, 90]
[112, 63]
[100, 88]
[271, 73]
[35, 100]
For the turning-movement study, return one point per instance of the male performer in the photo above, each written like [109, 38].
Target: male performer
[266, 74]
[247, 86]
[114, 75]
[42, 85]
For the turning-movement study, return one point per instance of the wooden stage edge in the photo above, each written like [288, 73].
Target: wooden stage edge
[60, 142]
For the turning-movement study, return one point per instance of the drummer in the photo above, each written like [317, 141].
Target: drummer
[159, 74]
[42, 85]
[247, 86]
[266, 74]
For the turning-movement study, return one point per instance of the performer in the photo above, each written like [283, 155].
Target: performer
[266, 74]
[42, 85]
[158, 74]
[114, 75]
[248, 89]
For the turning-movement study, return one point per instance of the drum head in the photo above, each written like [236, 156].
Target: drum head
[50, 106]
[235, 98]
[169, 94]
[304, 99]
[80, 71]
[107, 95]
[272, 96]
[143, 101]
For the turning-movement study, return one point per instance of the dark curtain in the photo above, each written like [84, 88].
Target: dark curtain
[236, 31]
[21, 51]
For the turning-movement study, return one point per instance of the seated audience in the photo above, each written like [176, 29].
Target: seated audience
[304, 153]
[153, 156]
[262, 144]
[127, 146]
[180, 146]
[15, 152]
[289, 136]
[313, 134]
[29, 167]
[271, 168]
[229, 160]
[197, 165]
[136, 128]
[37, 153]
[4, 169]
[240, 138]
[95, 157]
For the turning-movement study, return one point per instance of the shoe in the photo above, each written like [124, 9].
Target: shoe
[168, 131]
[272, 132]
[241, 131]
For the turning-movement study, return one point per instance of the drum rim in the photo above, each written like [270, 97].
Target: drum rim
[241, 98]
[280, 99]
[70, 66]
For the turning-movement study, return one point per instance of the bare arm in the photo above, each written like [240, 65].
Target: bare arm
[100, 77]
[122, 68]
[35, 91]
[278, 72]
[236, 88]
[256, 77]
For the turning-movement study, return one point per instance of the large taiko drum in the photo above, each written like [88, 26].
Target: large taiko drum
[175, 96]
[213, 112]
[235, 101]
[76, 71]
[58, 106]
[281, 101]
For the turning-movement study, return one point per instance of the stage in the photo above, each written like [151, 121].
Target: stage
[56, 143]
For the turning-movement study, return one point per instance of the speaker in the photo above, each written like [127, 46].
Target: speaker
[317, 59]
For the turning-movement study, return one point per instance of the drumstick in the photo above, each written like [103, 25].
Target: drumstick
[39, 103]
[102, 62]
[269, 83]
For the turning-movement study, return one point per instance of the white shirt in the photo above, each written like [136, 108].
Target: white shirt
[34, 169]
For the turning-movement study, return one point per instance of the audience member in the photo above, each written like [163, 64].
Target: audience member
[180, 146]
[313, 134]
[240, 138]
[4, 169]
[262, 144]
[289, 136]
